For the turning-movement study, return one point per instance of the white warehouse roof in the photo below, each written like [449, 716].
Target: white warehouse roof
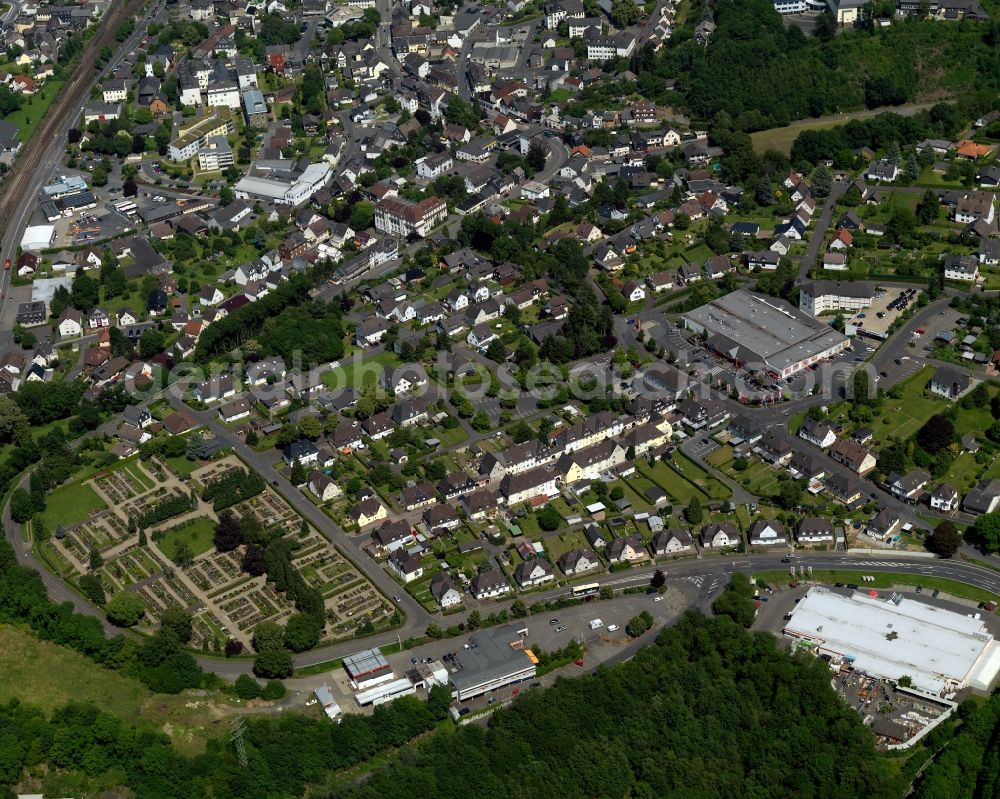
[939, 649]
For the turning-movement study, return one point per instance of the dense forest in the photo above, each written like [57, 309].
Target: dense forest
[707, 711]
[968, 767]
[760, 74]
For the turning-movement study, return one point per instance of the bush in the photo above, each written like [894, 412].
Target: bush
[246, 687]
[275, 689]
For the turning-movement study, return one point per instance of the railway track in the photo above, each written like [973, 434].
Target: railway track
[23, 175]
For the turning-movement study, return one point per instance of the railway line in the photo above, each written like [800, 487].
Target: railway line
[23, 174]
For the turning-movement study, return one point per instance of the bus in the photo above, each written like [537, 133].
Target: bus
[586, 590]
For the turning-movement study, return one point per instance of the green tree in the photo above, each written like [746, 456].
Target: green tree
[694, 513]
[179, 621]
[987, 530]
[302, 632]
[549, 518]
[246, 687]
[274, 664]
[125, 609]
[945, 540]
[822, 182]
[268, 636]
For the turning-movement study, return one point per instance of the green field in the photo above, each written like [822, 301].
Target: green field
[677, 488]
[44, 674]
[883, 581]
[781, 139]
[71, 504]
[49, 676]
[29, 114]
[182, 466]
[198, 535]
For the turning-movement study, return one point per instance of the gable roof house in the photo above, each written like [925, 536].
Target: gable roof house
[578, 561]
[717, 536]
[767, 532]
[814, 530]
[489, 585]
[853, 456]
[908, 487]
[626, 550]
[944, 498]
[819, 434]
[443, 590]
[949, 383]
[537, 571]
[983, 498]
[671, 542]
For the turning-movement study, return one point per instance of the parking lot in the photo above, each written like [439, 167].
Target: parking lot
[702, 446]
[885, 309]
[548, 632]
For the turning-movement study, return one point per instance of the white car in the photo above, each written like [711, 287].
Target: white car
[657, 598]
[612, 628]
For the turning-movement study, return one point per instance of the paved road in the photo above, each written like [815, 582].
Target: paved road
[819, 230]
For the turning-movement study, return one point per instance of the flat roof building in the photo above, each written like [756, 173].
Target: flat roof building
[495, 658]
[940, 650]
[367, 668]
[764, 333]
[828, 296]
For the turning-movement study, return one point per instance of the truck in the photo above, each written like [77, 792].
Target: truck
[596, 624]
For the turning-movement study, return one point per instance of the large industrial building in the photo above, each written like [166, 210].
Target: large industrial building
[282, 182]
[494, 659]
[764, 333]
[940, 650]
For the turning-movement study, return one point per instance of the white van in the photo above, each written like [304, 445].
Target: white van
[596, 623]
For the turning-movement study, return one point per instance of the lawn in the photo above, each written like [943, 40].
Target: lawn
[963, 472]
[902, 417]
[693, 472]
[49, 676]
[71, 504]
[44, 674]
[181, 466]
[679, 489]
[559, 543]
[27, 117]
[198, 534]
[946, 586]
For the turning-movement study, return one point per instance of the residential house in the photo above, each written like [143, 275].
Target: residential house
[534, 572]
[819, 434]
[367, 511]
[908, 487]
[578, 561]
[767, 532]
[853, 456]
[944, 498]
[814, 530]
[949, 383]
[323, 486]
[719, 536]
[443, 590]
[674, 541]
[626, 550]
[884, 524]
[390, 536]
[405, 566]
[489, 585]
[983, 498]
